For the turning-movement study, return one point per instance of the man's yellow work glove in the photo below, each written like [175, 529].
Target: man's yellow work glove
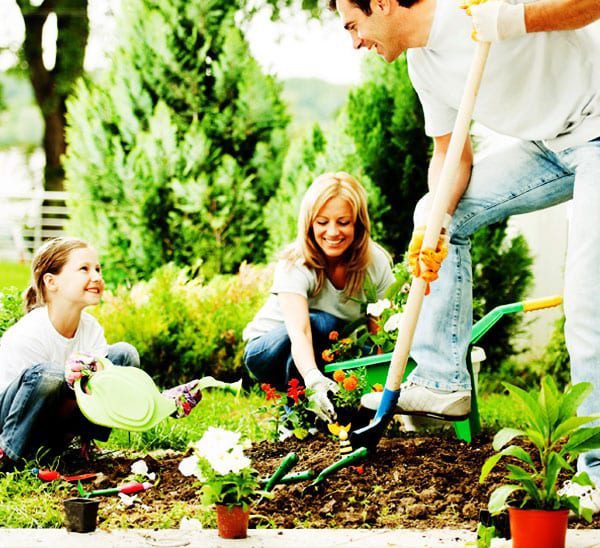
[431, 258]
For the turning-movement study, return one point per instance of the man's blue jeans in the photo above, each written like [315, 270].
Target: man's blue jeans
[28, 406]
[269, 358]
[522, 177]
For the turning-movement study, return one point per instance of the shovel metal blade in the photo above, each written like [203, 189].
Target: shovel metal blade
[369, 436]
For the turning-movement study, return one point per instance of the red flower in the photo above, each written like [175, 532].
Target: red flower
[295, 390]
[333, 336]
[270, 392]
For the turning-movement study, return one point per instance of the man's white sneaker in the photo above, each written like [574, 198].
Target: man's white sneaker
[589, 497]
[428, 402]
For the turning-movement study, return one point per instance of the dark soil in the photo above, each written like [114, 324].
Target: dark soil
[411, 481]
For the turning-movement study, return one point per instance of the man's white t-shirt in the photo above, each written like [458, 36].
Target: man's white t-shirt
[301, 280]
[544, 86]
[34, 340]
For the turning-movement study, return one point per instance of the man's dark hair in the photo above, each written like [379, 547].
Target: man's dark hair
[365, 5]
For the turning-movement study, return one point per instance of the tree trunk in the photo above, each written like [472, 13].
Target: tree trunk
[52, 87]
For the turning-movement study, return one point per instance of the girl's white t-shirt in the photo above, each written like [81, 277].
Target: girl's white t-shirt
[544, 86]
[301, 280]
[34, 340]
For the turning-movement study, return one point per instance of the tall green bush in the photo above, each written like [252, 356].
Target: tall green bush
[184, 328]
[174, 152]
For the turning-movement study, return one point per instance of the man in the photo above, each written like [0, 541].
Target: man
[541, 86]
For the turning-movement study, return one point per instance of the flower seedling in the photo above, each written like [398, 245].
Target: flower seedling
[225, 472]
[292, 412]
[351, 387]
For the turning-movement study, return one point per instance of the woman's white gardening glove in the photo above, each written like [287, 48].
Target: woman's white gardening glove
[320, 385]
[495, 21]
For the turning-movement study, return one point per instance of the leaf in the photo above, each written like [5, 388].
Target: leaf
[555, 465]
[533, 411]
[569, 426]
[549, 400]
[518, 453]
[497, 501]
[573, 398]
[584, 439]
[488, 465]
[504, 436]
[518, 474]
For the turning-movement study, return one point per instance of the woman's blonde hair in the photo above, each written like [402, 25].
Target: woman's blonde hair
[50, 258]
[358, 255]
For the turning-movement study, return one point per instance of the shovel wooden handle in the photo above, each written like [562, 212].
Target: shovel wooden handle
[441, 201]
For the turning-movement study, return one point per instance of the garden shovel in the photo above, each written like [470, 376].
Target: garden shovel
[369, 436]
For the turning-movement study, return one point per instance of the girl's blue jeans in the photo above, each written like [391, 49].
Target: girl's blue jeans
[29, 405]
[268, 358]
[519, 178]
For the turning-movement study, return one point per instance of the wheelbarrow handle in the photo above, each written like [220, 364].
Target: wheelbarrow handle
[544, 302]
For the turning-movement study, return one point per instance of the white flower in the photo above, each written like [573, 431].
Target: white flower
[216, 439]
[229, 461]
[190, 524]
[139, 468]
[127, 500]
[393, 322]
[189, 467]
[376, 309]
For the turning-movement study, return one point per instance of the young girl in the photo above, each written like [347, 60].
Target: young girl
[37, 405]
[317, 283]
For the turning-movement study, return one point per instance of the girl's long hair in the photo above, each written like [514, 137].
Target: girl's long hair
[358, 256]
[50, 258]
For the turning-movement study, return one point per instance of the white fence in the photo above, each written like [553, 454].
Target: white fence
[27, 219]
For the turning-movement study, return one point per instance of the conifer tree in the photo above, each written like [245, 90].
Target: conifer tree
[174, 152]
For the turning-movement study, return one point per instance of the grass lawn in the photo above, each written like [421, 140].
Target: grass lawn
[14, 275]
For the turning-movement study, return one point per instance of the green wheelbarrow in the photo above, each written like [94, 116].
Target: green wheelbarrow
[378, 364]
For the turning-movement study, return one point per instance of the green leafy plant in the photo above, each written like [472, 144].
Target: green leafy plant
[11, 308]
[556, 437]
[226, 474]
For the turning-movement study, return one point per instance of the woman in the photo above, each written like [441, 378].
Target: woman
[317, 288]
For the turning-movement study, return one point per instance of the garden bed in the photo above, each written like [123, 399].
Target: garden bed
[412, 481]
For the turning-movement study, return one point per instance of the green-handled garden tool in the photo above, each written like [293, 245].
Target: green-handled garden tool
[369, 436]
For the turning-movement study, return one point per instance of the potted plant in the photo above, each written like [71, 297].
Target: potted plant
[227, 478]
[554, 437]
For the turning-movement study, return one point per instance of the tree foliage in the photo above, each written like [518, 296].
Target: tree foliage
[174, 153]
[385, 121]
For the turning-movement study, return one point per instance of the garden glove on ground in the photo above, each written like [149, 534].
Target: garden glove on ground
[319, 385]
[431, 258]
[81, 364]
[495, 21]
[186, 397]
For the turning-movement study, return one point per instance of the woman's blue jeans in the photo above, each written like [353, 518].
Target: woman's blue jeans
[519, 178]
[29, 405]
[268, 358]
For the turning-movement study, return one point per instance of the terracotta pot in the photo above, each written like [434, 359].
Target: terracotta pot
[547, 528]
[232, 523]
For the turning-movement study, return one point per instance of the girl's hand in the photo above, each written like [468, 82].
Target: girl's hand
[81, 364]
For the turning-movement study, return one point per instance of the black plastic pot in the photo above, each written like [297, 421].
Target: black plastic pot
[81, 514]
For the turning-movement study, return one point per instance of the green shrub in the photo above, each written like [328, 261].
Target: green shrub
[176, 149]
[11, 308]
[183, 329]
